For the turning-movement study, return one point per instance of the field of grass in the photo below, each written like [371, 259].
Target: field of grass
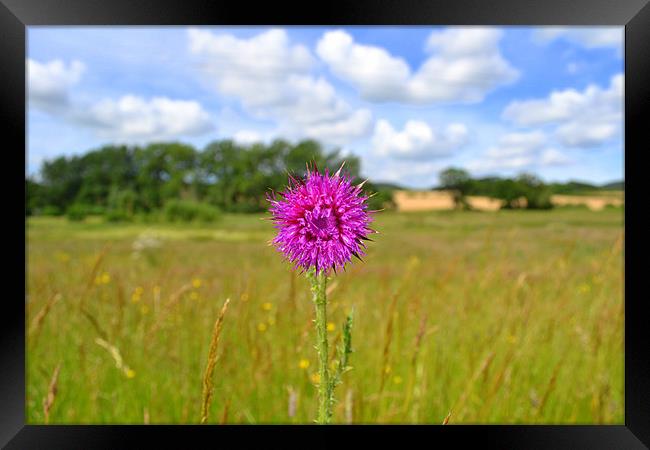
[507, 317]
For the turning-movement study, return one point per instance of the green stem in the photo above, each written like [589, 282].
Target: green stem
[318, 287]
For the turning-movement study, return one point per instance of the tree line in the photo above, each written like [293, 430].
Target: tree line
[527, 187]
[535, 193]
[178, 182]
[121, 181]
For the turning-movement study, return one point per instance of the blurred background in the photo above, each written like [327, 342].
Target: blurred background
[493, 293]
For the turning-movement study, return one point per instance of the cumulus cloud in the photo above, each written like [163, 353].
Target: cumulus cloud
[582, 119]
[518, 143]
[133, 118]
[48, 83]
[128, 118]
[517, 151]
[424, 174]
[607, 37]
[254, 69]
[464, 65]
[418, 141]
[553, 157]
[247, 137]
[513, 151]
[272, 79]
[340, 132]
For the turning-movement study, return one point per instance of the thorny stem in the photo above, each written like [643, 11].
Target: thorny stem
[318, 288]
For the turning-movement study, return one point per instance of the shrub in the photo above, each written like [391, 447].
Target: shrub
[51, 210]
[189, 211]
[116, 215]
[539, 198]
[121, 205]
[245, 207]
[76, 212]
[93, 210]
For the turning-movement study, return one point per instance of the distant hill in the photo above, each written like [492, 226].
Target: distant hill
[577, 187]
[614, 186]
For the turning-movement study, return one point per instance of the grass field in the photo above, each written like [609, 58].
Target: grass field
[507, 317]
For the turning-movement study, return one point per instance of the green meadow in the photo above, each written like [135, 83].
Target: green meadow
[463, 317]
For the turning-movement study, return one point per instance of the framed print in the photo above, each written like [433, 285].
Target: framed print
[380, 218]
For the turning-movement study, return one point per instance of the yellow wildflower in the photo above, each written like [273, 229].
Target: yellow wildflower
[267, 306]
[196, 282]
[130, 373]
[397, 379]
[261, 327]
[331, 326]
[315, 378]
[303, 364]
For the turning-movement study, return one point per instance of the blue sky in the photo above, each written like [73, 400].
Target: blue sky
[410, 101]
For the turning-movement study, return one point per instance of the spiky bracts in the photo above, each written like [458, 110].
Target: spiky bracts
[322, 221]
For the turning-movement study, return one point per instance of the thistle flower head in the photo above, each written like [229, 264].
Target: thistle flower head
[322, 221]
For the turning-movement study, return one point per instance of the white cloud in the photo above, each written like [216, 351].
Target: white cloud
[424, 174]
[417, 140]
[517, 151]
[583, 119]
[371, 69]
[514, 150]
[272, 79]
[518, 143]
[128, 118]
[609, 37]
[553, 157]
[464, 65]
[341, 131]
[254, 69]
[48, 83]
[247, 137]
[133, 118]
[589, 132]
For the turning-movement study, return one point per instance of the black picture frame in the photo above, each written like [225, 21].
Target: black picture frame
[16, 15]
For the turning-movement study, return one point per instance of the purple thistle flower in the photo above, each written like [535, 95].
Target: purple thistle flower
[322, 221]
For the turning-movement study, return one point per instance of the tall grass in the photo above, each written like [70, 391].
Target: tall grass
[508, 317]
[209, 368]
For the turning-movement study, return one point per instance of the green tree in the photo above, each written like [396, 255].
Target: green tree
[164, 171]
[458, 181]
[380, 197]
[121, 204]
[122, 180]
[100, 170]
[35, 197]
[61, 180]
[510, 191]
[537, 194]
